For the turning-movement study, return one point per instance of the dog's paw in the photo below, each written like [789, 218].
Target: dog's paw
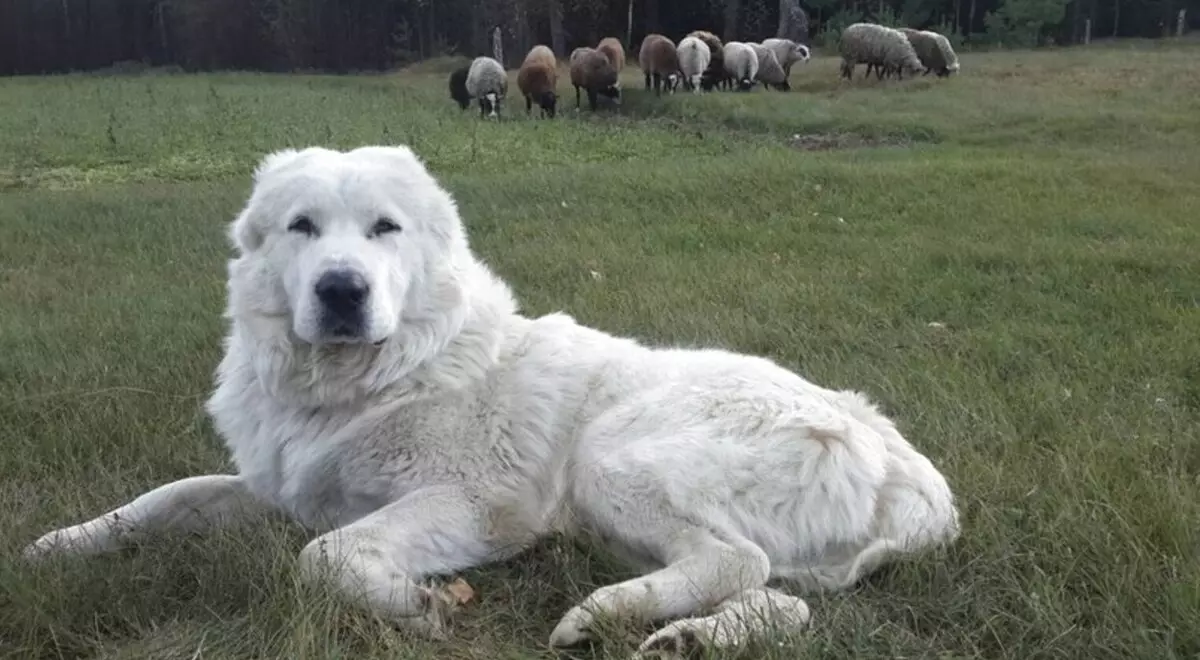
[59, 542]
[573, 628]
[438, 608]
[690, 637]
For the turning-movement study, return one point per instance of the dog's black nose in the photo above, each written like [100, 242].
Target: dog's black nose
[342, 290]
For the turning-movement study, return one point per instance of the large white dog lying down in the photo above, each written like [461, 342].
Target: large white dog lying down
[380, 387]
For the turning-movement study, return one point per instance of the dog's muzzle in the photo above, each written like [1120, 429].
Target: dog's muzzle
[343, 295]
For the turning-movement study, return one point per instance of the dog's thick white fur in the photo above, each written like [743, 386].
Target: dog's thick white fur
[422, 426]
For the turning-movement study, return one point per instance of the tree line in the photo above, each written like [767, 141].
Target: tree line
[51, 36]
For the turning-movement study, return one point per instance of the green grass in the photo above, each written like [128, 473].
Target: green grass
[1043, 207]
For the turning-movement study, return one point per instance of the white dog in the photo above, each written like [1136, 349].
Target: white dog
[380, 387]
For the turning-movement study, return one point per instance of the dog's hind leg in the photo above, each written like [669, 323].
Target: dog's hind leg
[624, 499]
[191, 505]
[382, 559]
[733, 623]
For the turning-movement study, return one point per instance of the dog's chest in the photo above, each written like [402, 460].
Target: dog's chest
[328, 469]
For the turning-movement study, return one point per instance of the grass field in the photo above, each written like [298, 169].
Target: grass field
[1007, 260]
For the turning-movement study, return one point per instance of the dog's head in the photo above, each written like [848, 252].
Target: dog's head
[345, 246]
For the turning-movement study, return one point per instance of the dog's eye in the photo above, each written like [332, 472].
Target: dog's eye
[303, 225]
[384, 226]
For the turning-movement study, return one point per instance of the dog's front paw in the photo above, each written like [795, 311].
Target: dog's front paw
[439, 605]
[68, 540]
[573, 628]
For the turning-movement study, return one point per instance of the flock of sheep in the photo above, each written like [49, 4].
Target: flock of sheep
[699, 62]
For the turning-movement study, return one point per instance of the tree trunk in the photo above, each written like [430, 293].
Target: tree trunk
[1074, 21]
[651, 17]
[970, 19]
[793, 22]
[1116, 17]
[732, 9]
[629, 26]
[558, 39]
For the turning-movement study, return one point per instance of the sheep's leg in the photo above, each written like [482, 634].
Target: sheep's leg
[576, 97]
[647, 75]
[528, 105]
[657, 84]
[592, 99]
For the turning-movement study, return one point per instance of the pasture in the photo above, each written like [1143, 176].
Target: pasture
[1006, 260]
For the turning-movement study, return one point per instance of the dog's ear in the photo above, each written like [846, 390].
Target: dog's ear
[245, 236]
[274, 161]
[244, 233]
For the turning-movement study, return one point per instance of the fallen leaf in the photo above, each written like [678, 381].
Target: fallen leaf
[462, 592]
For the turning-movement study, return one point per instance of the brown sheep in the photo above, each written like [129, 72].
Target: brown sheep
[591, 70]
[715, 74]
[660, 63]
[538, 80]
[614, 51]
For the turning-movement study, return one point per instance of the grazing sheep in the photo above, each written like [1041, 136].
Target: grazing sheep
[714, 75]
[659, 61]
[538, 79]
[694, 57]
[741, 64]
[591, 71]
[458, 86]
[882, 47]
[788, 52]
[487, 81]
[770, 73]
[934, 51]
[614, 51]
[948, 53]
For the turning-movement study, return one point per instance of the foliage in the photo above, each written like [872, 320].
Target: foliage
[1024, 22]
[44, 36]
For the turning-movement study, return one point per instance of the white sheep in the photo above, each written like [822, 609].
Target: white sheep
[948, 55]
[788, 52]
[884, 48]
[741, 64]
[770, 73]
[694, 56]
[934, 51]
[487, 81]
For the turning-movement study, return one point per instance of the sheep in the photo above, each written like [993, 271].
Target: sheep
[788, 52]
[614, 51]
[487, 81]
[714, 75]
[933, 50]
[948, 53]
[591, 70]
[882, 47]
[537, 79]
[694, 57]
[770, 73]
[458, 86]
[741, 64]
[659, 61]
